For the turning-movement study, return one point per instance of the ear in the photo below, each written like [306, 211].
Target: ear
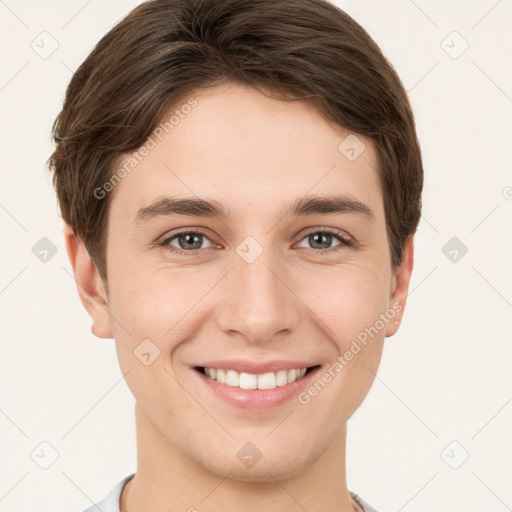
[89, 284]
[400, 286]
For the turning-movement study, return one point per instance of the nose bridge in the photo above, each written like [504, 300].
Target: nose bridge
[258, 303]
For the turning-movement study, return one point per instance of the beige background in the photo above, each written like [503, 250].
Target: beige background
[444, 377]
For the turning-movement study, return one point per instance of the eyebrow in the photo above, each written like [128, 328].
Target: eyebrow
[304, 206]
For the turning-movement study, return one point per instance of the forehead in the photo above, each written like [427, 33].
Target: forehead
[249, 150]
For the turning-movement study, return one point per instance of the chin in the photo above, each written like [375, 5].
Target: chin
[278, 468]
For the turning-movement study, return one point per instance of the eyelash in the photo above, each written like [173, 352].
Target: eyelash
[345, 241]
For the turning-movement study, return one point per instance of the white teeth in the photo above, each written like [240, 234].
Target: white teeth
[248, 381]
[221, 376]
[282, 377]
[267, 380]
[243, 380]
[232, 378]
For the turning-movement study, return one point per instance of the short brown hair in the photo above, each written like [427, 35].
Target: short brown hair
[164, 49]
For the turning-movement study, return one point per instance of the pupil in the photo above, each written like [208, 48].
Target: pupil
[319, 236]
[191, 238]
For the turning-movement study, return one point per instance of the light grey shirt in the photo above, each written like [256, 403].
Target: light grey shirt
[111, 501]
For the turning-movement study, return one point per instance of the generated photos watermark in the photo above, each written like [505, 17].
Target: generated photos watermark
[343, 360]
[151, 143]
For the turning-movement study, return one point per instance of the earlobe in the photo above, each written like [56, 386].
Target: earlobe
[400, 287]
[89, 285]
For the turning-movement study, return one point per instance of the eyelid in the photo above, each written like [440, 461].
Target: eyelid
[165, 240]
[345, 242]
[342, 235]
[345, 239]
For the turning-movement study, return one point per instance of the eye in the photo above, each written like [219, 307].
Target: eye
[189, 242]
[321, 238]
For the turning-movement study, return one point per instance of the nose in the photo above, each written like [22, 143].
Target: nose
[258, 302]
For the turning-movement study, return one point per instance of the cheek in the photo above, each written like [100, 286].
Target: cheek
[158, 304]
[150, 313]
[346, 300]
[152, 304]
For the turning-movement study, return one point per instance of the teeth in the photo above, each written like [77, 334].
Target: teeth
[267, 380]
[248, 381]
[281, 378]
[232, 378]
[244, 380]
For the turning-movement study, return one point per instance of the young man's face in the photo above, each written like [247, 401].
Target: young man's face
[260, 286]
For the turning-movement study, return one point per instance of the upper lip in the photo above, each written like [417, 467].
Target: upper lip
[256, 367]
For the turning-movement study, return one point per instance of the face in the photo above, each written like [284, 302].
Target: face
[268, 278]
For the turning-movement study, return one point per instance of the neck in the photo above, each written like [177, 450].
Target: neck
[168, 479]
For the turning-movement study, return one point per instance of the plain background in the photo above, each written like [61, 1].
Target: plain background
[444, 387]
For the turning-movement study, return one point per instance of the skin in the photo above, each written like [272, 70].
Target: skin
[251, 153]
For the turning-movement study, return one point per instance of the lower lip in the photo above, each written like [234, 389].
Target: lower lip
[257, 398]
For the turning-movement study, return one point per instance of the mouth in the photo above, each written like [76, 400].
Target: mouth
[263, 387]
[245, 380]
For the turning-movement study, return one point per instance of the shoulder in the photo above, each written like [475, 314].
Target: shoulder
[365, 506]
[111, 502]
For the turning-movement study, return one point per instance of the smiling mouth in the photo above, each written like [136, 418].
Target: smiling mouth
[243, 380]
